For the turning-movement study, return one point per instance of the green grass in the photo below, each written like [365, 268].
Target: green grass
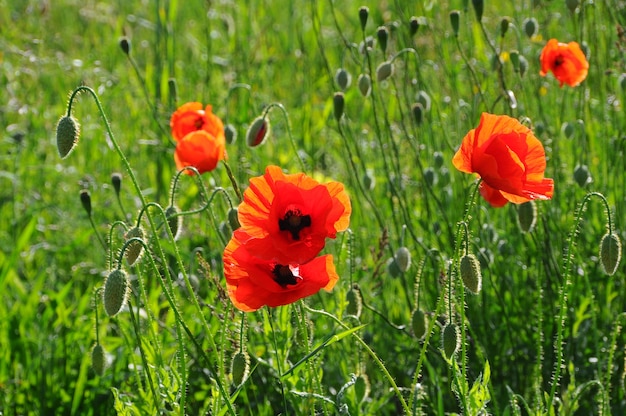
[311, 357]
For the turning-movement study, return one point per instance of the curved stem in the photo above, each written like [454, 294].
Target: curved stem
[293, 143]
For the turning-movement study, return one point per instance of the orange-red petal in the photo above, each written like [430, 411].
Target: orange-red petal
[187, 118]
[200, 150]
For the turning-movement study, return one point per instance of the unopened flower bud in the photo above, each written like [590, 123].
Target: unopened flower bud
[504, 25]
[419, 323]
[343, 79]
[362, 387]
[98, 359]
[530, 26]
[430, 177]
[582, 176]
[523, 65]
[125, 45]
[68, 132]
[454, 21]
[174, 221]
[418, 113]
[610, 252]
[527, 216]
[338, 105]
[393, 268]
[233, 219]
[116, 290]
[478, 8]
[571, 5]
[173, 89]
[365, 85]
[470, 273]
[258, 131]
[85, 200]
[403, 259]
[230, 133]
[369, 180]
[355, 302]
[414, 25]
[116, 181]
[240, 367]
[383, 35]
[514, 57]
[135, 249]
[384, 71]
[439, 159]
[363, 15]
[424, 99]
[450, 340]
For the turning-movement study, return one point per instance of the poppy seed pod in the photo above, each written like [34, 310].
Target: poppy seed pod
[116, 290]
[355, 302]
[174, 221]
[530, 26]
[527, 216]
[338, 105]
[68, 132]
[230, 133]
[419, 323]
[384, 71]
[98, 359]
[414, 25]
[610, 252]
[240, 367]
[135, 249]
[364, 82]
[364, 13]
[450, 340]
[454, 21]
[85, 200]
[383, 35]
[470, 273]
[258, 131]
[343, 79]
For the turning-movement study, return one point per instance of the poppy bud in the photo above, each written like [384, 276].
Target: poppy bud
[338, 105]
[414, 25]
[523, 65]
[430, 177]
[362, 387]
[369, 181]
[135, 249]
[582, 175]
[116, 289]
[68, 132]
[470, 273]
[424, 99]
[257, 132]
[240, 367]
[363, 15]
[393, 268]
[355, 302]
[450, 340]
[419, 323]
[478, 8]
[225, 229]
[418, 113]
[98, 359]
[403, 259]
[116, 181]
[384, 71]
[383, 35]
[438, 158]
[233, 219]
[454, 21]
[173, 89]
[504, 25]
[530, 26]
[571, 5]
[174, 221]
[610, 253]
[527, 216]
[514, 57]
[568, 129]
[230, 133]
[125, 45]
[621, 82]
[343, 79]
[85, 199]
[364, 83]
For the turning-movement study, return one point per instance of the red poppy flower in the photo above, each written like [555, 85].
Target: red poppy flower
[191, 117]
[507, 156]
[200, 150]
[287, 218]
[566, 61]
[253, 282]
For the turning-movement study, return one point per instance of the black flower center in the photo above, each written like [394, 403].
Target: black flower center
[294, 222]
[283, 275]
[559, 60]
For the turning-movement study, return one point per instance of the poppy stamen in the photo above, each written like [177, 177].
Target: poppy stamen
[558, 60]
[294, 222]
[283, 275]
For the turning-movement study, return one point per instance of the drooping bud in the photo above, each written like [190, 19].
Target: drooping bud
[438, 158]
[125, 45]
[470, 273]
[369, 180]
[233, 219]
[240, 367]
[364, 13]
[527, 216]
[610, 252]
[116, 290]
[403, 259]
[417, 110]
[504, 25]
[116, 181]
[135, 249]
[419, 323]
[85, 200]
[230, 133]
[343, 79]
[571, 5]
[424, 99]
[258, 131]
[364, 82]
[383, 35]
[450, 340]
[362, 387]
[514, 57]
[355, 301]
[174, 221]
[393, 268]
[582, 176]
[68, 132]
[414, 25]
[454, 21]
[98, 359]
[568, 129]
[530, 26]
[384, 71]
[478, 8]
[523, 65]
[338, 105]
[430, 176]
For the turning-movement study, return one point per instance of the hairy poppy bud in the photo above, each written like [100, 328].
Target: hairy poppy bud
[135, 249]
[478, 8]
[527, 216]
[470, 273]
[240, 367]
[582, 176]
[364, 82]
[85, 200]
[233, 219]
[364, 13]
[418, 113]
[98, 359]
[530, 26]
[504, 25]
[338, 105]
[383, 35]
[450, 340]
[174, 221]
[116, 289]
[610, 252]
[68, 132]
[403, 258]
[393, 268]
[116, 181]
[343, 79]
[230, 133]
[258, 131]
[355, 301]
[362, 387]
[419, 323]
[125, 45]
[454, 21]
[384, 71]
[414, 25]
